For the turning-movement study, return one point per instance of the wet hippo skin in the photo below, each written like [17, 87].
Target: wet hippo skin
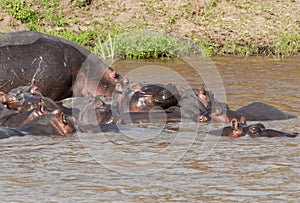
[255, 111]
[240, 128]
[53, 63]
[259, 111]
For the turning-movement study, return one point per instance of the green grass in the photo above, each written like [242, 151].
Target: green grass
[22, 12]
[111, 39]
[287, 45]
[144, 45]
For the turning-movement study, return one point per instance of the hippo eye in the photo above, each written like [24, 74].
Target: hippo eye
[98, 104]
[34, 90]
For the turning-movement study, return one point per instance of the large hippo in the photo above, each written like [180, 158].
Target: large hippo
[239, 128]
[59, 68]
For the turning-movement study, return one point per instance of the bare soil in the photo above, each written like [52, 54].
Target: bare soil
[217, 23]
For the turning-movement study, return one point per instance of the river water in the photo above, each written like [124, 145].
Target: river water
[174, 161]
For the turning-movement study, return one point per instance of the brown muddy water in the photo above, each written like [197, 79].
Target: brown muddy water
[169, 161]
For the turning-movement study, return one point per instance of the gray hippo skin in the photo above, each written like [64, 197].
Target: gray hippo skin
[240, 128]
[255, 111]
[49, 124]
[260, 111]
[134, 101]
[55, 124]
[58, 67]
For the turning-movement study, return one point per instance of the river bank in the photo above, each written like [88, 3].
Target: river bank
[219, 27]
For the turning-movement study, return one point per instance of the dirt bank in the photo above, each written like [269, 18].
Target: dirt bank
[219, 26]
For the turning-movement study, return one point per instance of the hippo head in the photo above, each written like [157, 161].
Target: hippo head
[96, 83]
[49, 124]
[237, 128]
[97, 111]
[137, 97]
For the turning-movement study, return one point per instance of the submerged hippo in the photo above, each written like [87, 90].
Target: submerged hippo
[200, 105]
[197, 104]
[60, 68]
[10, 118]
[255, 111]
[49, 124]
[93, 110]
[23, 104]
[136, 98]
[240, 128]
[55, 124]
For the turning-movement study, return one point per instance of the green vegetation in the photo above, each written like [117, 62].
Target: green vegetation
[144, 45]
[22, 12]
[218, 27]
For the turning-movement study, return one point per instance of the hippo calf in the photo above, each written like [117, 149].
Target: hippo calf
[240, 128]
[60, 68]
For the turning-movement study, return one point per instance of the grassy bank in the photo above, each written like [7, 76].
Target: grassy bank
[219, 27]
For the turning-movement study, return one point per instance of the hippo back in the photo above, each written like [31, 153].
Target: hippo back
[52, 62]
[258, 111]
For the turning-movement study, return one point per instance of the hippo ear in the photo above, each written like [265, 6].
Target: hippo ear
[63, 118]
[90, 97]
[218, 110]
[42, 110]
[119, 87]
[243, 120]
[234, 124]
[125, 81]
[182, 90]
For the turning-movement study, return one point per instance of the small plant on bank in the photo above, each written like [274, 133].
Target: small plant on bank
[21, 11]
[144, 45]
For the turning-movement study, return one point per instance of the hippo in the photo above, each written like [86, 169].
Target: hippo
[60, 68]
[10, 118]
[97, 111]
[92, 110]
[200, 105]
[48, 124]
[25, 98]
[197, 104]
[137, 98]
[255, 111]
[23, 104]
[240, 128]
[55, 124]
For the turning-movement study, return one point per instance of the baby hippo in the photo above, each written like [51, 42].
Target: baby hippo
[96, 111]
[240, 128]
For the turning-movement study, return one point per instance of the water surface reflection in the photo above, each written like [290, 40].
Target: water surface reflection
[194, 167]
